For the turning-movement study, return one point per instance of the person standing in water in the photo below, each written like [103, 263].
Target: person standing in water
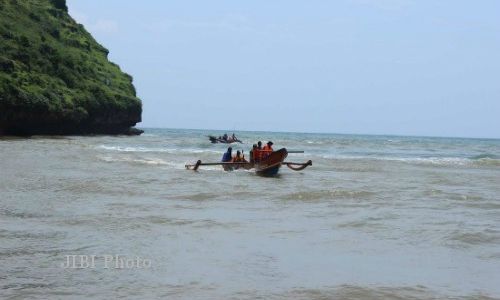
[228, 156]
[239, 157]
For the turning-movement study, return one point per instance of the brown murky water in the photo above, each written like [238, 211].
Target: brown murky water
[374, 218]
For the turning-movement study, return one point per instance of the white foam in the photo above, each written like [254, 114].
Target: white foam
[157, 150]
[146, 161]
[132, 149]
[456, 161]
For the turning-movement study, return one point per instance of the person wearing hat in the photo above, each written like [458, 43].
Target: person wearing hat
[267, 150]
[268, 147]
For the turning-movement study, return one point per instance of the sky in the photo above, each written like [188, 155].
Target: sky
[403, 67]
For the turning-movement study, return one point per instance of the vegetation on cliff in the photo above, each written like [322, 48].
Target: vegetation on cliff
[55, 78]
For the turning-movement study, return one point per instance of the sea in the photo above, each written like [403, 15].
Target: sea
[374, 217]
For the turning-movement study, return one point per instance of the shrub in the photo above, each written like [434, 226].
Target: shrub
[60, 4]
[55, 33]
[67, 76]
[6, 65]
[24, 58]
[34, 16]
[46, 49]
[23, 41]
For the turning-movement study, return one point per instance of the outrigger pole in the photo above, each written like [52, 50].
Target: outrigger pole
[199, 163]
[300, 166]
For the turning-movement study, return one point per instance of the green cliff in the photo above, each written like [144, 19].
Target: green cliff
[55, 78]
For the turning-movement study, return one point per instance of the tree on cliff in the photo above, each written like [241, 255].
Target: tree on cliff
[55, 78]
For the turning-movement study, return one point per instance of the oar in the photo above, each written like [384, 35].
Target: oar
[199, 163]
[295, 151]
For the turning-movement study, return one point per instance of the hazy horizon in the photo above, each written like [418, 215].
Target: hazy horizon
[230, 131]
[391, 67]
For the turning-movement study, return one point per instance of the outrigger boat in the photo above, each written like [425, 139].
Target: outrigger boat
[267, 167]
[229, 140]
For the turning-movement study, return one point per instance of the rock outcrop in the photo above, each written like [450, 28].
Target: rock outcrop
[56, 79]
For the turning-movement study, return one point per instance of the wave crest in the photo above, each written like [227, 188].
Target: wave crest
[326, 195]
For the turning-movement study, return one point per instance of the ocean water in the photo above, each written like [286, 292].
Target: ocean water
[375, 217]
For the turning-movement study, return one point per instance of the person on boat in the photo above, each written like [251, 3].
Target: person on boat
[238, 157]
[267, 150]
[253, 153]
[227, 157]
[258, 153]
[224, 137]
[233, 137]
[268, 147]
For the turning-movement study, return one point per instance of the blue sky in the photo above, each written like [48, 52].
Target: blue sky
[348, 66]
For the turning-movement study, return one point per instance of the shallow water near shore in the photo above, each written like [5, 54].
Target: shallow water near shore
[375, 217]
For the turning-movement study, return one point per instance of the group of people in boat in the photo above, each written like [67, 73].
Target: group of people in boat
[257, 154]
[226, 138]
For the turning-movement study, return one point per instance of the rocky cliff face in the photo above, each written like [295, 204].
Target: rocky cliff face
[55, 78]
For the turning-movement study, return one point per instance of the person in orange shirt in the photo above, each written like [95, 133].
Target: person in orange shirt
[267, 150]
[238, 157]
[268, 147]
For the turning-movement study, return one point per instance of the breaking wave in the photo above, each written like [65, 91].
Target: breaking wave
[479, 160]
[142, 161]
[324, 195]
[485, 156]
[155, 150]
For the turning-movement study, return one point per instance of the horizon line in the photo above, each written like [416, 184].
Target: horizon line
[333, 133]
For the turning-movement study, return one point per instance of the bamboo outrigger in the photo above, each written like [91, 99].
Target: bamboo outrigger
[267, 167]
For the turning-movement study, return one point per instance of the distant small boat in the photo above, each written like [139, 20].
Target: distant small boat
[267, 167]
[229, 140]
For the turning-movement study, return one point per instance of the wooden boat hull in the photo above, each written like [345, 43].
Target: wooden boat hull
[270, 166]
